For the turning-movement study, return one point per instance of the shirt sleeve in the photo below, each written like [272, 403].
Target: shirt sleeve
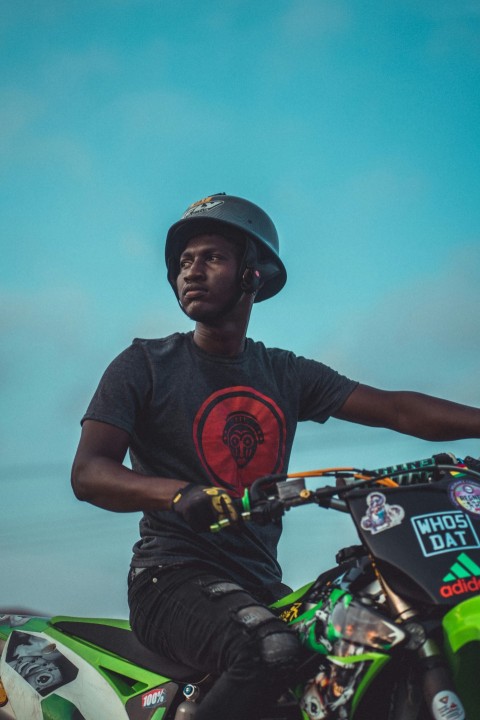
[123, 390]
[322, 390]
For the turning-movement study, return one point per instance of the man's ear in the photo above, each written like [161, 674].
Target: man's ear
[251, 281]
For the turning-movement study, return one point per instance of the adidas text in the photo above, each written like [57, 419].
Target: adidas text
[460, 587]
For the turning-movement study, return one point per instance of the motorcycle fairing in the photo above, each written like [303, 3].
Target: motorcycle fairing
[428, 568]
[39, 661]
[293, 606]
[353, 642]
[107, 686]
[88, 691]
[461, 627]
[292, 597]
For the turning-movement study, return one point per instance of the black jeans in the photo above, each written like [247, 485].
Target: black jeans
[197, 617]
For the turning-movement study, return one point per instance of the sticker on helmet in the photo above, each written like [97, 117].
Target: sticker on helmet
[201, 206]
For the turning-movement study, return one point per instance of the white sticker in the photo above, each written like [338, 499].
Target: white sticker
[466, 494]
[443, 532]
[380, 515]
[446, 705]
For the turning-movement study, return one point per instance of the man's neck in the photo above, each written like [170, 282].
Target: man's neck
[225, 335]
[228, 342]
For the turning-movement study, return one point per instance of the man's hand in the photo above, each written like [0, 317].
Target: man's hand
[202, 506]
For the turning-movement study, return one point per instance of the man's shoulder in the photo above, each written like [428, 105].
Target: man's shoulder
[287, 360]
[273, 354]
[259, 347]
[161, 346]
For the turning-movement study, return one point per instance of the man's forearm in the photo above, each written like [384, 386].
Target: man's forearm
[432, 418]
[412, 413]
[112, 486]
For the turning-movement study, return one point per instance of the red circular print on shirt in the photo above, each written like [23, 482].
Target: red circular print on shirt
[240, 435]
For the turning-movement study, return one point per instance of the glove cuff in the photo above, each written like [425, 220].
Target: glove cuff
[182, 492]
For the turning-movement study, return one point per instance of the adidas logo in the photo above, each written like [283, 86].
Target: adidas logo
[463, 577]
[464, 567]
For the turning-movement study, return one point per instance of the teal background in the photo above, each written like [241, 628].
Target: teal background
[355, 125]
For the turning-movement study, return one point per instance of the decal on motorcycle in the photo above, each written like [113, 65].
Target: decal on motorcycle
[145, 706]
[292, 612]
[14, 620]
[313, 628]
[380, 515]
[37, 660]
[447, 706]
[463, 577]
[154, 698]
[466, 495]
[443, 532]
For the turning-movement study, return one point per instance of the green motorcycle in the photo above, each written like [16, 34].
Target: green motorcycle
[391, 633]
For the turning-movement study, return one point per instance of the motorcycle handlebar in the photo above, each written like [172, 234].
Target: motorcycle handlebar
[417, 471]
[271, 496]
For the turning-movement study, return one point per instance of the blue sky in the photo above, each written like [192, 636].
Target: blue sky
[355, 125]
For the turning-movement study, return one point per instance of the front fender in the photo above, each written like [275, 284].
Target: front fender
[461, 627]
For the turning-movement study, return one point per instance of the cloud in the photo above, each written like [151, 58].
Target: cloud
[306, 19]
[445, 11]
[19, 109]
[54, 345]
[46, 115]
[66, 71]
[385, 184]
[454, 28]
[27, 142]
[425, 335]
[168, 114]
[51, 316]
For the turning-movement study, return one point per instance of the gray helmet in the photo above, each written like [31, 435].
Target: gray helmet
[221, 212]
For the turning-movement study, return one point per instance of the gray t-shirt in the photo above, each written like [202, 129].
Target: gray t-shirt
[214, 421]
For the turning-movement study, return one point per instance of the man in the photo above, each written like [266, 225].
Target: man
[203, 414]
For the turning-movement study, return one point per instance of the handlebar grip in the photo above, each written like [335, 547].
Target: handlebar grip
[242, 506]
[216, 527]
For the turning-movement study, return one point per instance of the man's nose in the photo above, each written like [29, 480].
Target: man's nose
[196, 268]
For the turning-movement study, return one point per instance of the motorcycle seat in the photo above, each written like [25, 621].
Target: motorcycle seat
[121, 641]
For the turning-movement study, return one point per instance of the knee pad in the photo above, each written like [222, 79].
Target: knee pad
[280, 649]
[277, 645]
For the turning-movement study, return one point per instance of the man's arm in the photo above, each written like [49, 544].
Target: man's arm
[412, 413]
[99, 476]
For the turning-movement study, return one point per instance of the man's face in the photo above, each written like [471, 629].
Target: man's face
[207, 282]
